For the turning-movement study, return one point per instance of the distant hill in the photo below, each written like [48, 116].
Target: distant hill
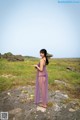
[30, 57]
[11, 57]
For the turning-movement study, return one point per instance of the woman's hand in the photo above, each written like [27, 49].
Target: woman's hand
[40, 68]
[35, 66]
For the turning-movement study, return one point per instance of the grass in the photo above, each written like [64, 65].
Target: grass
[57, 70]
[14, 74]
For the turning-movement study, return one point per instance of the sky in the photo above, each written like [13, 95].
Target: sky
[26, 26]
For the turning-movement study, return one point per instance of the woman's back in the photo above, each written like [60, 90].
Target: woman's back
[42, 73]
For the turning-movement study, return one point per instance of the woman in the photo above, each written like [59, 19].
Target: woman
[41, 89]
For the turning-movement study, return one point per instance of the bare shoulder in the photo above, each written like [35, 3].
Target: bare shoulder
[41, 61]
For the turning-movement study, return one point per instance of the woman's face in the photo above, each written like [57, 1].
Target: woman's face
[42, 55]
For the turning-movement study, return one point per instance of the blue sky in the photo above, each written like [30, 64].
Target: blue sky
[26, 26]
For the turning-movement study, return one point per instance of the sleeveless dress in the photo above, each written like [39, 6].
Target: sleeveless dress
[41, 94]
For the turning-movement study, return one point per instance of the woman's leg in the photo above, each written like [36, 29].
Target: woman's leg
[40, 88]
[42, 85]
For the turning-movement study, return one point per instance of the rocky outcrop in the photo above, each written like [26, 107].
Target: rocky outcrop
[0, 55]
[70, 68]
[15, 58]
[10, 57]
[19, 103]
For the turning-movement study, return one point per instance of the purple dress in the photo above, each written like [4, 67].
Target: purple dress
[41, 87]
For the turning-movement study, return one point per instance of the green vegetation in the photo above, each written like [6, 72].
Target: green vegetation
[58, 70]
[13, 74]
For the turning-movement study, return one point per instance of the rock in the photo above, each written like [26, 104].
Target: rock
[31, 97]
[75, 105]
[10, 57]
[60, 82]
[7, 55]
[14, 118]
[24, 91]
[65, 114]
[66, 96]
[23, 100]
[70, 68]
[72, 110]
[41, 109]
[15, 58]
[27, 110]
[57, 107]
[0, 55]
[15, 111]
[19, 58]
[59, 95]
[9, 93]
[48, 112]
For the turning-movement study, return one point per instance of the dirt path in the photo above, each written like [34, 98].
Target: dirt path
[19, 103]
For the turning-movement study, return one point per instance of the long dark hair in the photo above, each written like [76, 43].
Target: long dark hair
[44, 51]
